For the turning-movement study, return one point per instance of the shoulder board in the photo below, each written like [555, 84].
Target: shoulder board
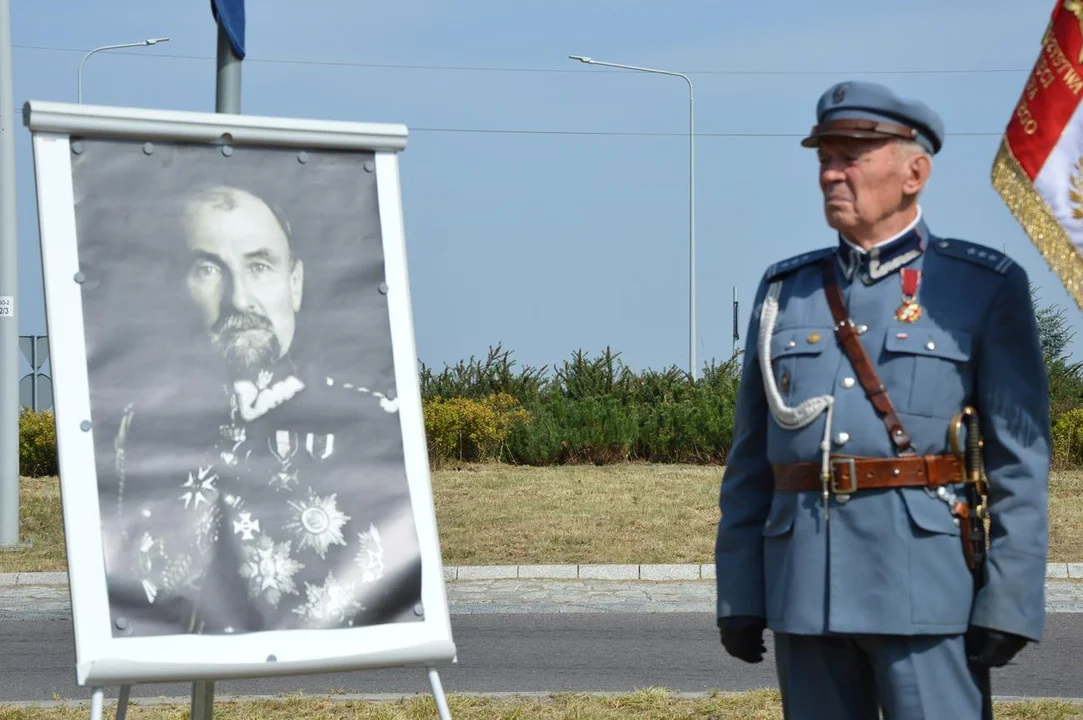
[797, 261]
[973, 252]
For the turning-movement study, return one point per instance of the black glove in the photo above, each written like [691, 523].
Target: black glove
[742, 637]
[993, 648]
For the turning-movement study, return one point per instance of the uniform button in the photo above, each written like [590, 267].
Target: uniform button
[930, 345]
[842, 437]
[848, 382]
[791, 343]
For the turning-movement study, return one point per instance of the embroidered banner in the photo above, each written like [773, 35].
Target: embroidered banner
[1038, 169]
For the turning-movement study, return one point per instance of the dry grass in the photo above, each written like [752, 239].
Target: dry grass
[1066, 517]
[650, 704]
[492, 515]
[41, 522]
[500, 514]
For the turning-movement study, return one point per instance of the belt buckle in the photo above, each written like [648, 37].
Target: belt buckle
[851, 487]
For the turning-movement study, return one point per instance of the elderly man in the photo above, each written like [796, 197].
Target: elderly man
[265, 494]
[850, 521]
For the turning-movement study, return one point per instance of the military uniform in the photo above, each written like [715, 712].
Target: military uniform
[864, 580]
[288, 510]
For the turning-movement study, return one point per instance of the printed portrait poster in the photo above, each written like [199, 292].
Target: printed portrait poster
[249, 452]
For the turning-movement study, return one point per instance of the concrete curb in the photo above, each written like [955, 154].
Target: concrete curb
[647, 572]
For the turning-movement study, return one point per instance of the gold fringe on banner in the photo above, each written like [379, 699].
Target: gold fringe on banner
[1038, 221]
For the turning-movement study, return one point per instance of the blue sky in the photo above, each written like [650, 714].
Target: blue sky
[585, 234]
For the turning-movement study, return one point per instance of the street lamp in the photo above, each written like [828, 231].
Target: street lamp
[143, 43]
[691, 199]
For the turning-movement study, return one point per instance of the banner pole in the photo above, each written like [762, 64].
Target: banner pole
[228, 87]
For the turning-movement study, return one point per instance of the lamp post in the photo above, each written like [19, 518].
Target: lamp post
[692, 367]
[143, 43]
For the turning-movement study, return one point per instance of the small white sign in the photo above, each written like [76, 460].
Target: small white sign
[7, 306]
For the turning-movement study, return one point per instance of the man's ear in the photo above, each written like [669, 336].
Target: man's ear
[918, 169]
[297, 284]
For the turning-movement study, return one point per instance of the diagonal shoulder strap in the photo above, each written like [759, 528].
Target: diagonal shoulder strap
[851, 345]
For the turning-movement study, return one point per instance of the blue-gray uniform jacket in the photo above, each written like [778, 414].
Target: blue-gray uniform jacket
[890, 560]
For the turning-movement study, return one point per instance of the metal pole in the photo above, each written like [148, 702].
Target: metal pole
[227, 100]
[9, 292]
[736, 330]
[228, 89]
[691, 233]
[692, 365]
[34, 372]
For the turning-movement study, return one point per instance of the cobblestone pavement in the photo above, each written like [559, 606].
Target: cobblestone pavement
[47, 597]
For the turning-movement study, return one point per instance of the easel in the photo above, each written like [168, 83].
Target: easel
[202, 705]
[103, 660]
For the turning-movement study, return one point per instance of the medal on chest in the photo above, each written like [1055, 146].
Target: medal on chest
[909, 311]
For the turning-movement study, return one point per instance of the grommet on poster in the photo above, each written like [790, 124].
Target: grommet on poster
[272, 658]
[122, 623]
[227, 150]
[370, 166]
[85, 426]
[302, 157]
[419, 610]
[148, 148]
[383, 288]
[77, 147]
[80, 277]
[390, 395]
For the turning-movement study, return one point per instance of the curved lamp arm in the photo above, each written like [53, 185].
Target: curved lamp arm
[142, 43]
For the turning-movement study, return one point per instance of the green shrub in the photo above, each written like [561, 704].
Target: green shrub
[591, 410]
[37, 443]
[1067, 435]
[463, 429]
[477, 380]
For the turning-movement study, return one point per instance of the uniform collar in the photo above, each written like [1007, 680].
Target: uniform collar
[885, 257]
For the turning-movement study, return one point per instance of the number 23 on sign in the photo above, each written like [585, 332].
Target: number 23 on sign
[7, 306]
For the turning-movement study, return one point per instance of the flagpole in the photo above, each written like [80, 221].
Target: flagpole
[229, 16]
[228, 89]
[227, 99]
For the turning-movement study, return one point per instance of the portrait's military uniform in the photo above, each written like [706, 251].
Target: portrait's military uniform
[286, 509]
[844, 517]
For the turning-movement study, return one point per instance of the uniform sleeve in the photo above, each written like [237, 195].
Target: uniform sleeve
[1013, 405]
[747, 487]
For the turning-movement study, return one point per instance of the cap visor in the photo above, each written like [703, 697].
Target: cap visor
[813, 140]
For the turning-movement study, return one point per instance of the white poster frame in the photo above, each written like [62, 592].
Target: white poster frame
[102, 659]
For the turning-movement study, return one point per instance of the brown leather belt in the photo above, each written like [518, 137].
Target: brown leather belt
[850, 474]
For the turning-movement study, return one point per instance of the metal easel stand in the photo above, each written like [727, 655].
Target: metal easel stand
[97, 699]
[438, 695]
[202, 707]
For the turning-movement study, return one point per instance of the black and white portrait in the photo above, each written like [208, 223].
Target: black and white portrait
[249, 452]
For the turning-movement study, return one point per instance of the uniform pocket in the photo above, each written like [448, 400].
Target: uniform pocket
[795, 352]
[936, 363]
[940, 583]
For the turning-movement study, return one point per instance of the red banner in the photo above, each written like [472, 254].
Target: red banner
[1038, 169]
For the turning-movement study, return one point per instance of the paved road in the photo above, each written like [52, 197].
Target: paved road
[522, 652]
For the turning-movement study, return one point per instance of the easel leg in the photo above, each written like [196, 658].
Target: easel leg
[97, 696]
[122, 702]
[438, 695]
[202, 700]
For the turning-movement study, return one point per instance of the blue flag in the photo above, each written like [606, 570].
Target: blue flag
[230, 15]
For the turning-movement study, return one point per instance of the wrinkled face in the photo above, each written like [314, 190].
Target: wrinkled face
[866, 181]
[243, 280]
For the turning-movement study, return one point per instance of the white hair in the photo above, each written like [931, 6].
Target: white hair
[909, 148]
